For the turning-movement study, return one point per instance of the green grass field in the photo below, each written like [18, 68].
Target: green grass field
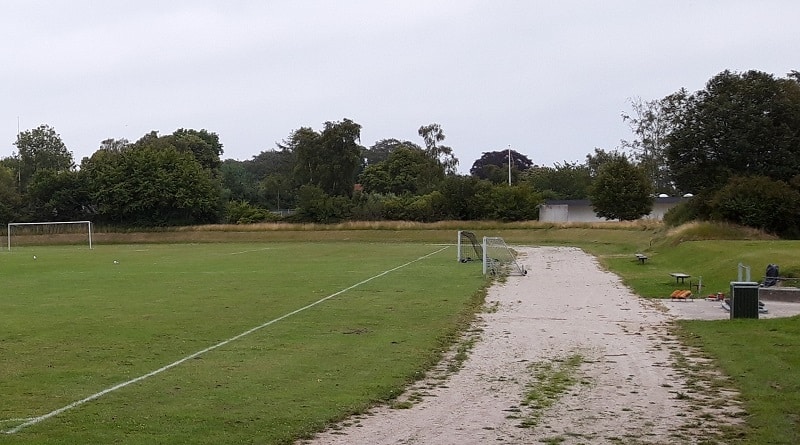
[76, 324]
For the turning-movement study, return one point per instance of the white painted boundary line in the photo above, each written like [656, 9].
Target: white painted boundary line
[35, 420]
[248, 251]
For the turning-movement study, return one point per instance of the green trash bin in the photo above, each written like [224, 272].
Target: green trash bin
[744, 299]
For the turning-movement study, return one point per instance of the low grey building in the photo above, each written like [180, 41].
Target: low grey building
[580, 210]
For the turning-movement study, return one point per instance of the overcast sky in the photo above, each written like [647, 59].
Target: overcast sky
[549, 79]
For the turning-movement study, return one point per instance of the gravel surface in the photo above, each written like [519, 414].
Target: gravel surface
[631, 383]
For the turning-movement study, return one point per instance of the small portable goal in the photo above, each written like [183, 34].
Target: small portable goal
[499, 259]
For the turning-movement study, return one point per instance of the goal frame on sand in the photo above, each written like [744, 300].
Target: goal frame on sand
[18, 224]
[499, 259]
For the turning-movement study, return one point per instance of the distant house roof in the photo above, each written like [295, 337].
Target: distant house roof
[586, 202]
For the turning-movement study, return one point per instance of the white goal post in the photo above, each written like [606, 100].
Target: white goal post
[88, 225]
[499, 259]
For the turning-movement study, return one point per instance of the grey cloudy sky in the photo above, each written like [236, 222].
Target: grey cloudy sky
[548, 78]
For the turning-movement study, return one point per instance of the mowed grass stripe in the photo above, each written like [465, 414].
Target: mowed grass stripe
[168, 316]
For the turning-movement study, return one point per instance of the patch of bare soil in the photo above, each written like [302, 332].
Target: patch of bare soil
[566, 354]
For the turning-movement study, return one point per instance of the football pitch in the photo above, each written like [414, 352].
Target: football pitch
[218, 343]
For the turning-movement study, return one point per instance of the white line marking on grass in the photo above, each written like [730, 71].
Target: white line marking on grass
[248, 251]
[16, 420]
[35, 420]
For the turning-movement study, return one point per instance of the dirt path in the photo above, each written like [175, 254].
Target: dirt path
[624, 388]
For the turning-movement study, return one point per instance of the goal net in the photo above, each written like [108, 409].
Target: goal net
[499, 259]
[42, 233]
[469, 249]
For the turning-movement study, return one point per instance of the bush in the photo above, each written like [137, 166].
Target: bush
[368, 207]
[514, 203]
[314, 205]
[242, 212]
[760, 202]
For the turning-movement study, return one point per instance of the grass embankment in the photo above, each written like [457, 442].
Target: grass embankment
[760, 356]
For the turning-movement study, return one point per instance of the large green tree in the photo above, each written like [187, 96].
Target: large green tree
[152, 185]
[651, 122]
[621, 190]
[203, 145]
[493, 166]
[41, 149]
[329, 159]
[59, 196]
[408, 169]
[381, 150]
[741, 124]
[433, 135]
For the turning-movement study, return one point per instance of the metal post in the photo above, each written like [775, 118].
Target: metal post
[509, 164]
[485, 269]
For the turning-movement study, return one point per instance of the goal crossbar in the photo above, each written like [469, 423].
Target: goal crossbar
[19, 224]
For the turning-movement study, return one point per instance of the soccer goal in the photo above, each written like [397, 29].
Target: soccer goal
[469, 249]
[45, 232]
[499, 259]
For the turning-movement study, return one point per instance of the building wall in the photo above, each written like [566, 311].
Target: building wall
[582, 211]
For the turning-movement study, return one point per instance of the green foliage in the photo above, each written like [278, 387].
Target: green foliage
[427, 208]
[621, 191]
[424, 208]
[242, 212]
[513, 203]
[204, 145]
[651, 122]
[314, 205]
[760, 202]
[329, 160]
[493, 166]
[41, 149]
[433, 135]
[562, 181]
[406, 170]
[467, 197]
[368, 207]
[740, 125]
[152, 185]
[681, 213]
[381, 150]
[238, 183]
[10, 199]
[59, 196]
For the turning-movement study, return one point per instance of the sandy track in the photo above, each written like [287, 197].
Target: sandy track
[627, 388]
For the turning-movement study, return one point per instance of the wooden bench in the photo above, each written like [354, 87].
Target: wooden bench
[641, 257]
[681, 295]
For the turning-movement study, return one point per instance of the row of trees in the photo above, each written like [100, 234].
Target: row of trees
[179, 179]
[735, 145]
